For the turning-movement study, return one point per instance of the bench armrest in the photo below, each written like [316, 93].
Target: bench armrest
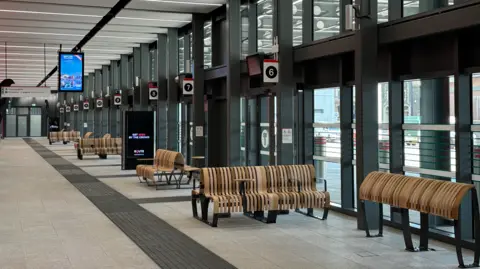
[324, 182]
[242, 183]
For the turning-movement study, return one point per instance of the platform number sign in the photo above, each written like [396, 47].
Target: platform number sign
[75, 107]
[117, 99]
[153, 93]
[188, 86]
[62, 110]
[67, 109]
[270, 71]
[99, 103]
[86, 105]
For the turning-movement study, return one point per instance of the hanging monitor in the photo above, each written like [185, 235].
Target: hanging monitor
[70, 72]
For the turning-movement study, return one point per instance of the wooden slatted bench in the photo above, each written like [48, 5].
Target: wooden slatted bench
[170, 164]
[99, 146]
[429, 197]
[296, 187]
[234, 190]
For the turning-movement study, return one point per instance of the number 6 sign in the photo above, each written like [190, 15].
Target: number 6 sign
[270, 71]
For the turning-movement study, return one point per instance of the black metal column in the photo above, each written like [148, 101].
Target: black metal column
[395, 9]
[233, 82]
[161, 104]
[307, 21]
[285, 89]
[98, 126]
[463, 142]
[123, 81]
[346, 140]
[115, 85]
[137, 66]
[103, 91]
[252, 27]
[172, 89]
[144, 76]
[91, 111]
[366, 104]
[308, 131]
[199, 87]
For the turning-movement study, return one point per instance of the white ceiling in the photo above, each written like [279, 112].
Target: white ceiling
[34, 29]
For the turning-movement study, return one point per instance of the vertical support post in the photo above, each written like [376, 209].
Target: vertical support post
[252, 27]
[233, 82]
[137, 64]
[161, 105]
[307, 111]
[346, 139]
[199, 86]
[307, 21]
[463, 141]
[366, 106]
[103, 91]
[97, 113]
[285, 88]
[186, 51]
[144, 76]
[395, 9]
[395, 121]
[172, 89]
[114, 82]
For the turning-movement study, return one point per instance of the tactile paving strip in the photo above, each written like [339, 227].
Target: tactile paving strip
[163, 243]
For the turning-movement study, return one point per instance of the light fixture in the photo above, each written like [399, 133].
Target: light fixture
[317, 10]
[54, 55]
[320, 25]
[63, 34]
[185, 3]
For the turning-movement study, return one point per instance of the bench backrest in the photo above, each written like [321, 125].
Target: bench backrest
[87, 135]
[168, 159]
[86, 143]
[107, 136]
[435, 197]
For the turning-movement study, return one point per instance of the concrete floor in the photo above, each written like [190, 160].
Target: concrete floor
[47, 223]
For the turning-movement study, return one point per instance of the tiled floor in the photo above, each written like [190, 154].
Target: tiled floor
[46, 223]
[44, 218]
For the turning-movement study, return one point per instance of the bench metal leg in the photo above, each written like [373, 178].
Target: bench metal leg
[310, 213]
[195, 199]
[204, 202]
[260, 216]
[365, 221]
[458, 236]
[407, 234]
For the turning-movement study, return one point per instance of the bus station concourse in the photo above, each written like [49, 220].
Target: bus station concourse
[217, 134]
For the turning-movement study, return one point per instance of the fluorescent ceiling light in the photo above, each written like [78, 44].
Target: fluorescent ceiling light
[82, 15]
[53, 55]
[185, 3]
[57, 48]
[63, 34]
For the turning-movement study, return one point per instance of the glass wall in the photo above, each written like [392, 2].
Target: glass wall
[297, 12]
[153, 65]
[265, 25]
[181, 54]
[244, 30]
[326, 18]
[476, 122]
[415, 7]
[207, 44]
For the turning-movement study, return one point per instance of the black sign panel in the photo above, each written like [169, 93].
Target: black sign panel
[138, 137]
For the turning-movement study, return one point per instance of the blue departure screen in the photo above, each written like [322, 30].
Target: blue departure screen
[71, 72]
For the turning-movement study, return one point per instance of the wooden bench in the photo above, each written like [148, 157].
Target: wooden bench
[170, 164]
[275, 189]
[234, 189]
[428, 196]
[296, 186]
[99, 146]
[107, 136]
[71, 136]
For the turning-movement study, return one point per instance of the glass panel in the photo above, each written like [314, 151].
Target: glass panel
[264, 132]
[410, 8]
[181, 55]
[153, 65]
[326, 18]
[190, 36]
[207, 44]
[382, 10]
[297, 11]
[476, 120]
[22, 126]
[35, 125]
[243, 152]
[11, 125]
[265, 25]
[244, 29]
[22, 110]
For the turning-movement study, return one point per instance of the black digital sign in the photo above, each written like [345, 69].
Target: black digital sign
[138, 138]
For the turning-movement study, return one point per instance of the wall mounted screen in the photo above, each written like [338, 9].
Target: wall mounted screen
[70, 71]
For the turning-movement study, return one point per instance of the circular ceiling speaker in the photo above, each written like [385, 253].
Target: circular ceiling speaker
[320, 25]
[317, 11]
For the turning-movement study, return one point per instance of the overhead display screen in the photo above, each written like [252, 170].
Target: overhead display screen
[70, 71]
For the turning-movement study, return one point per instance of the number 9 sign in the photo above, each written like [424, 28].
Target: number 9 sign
[270, 71]
[187, 86]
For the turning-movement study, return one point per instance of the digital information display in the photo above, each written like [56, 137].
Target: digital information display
[70, 72]
[138, 139]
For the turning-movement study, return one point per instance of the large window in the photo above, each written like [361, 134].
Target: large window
[326, 18]
[414, 7]
[297, 12]
[244, 30]
[181, 54]
[207, 44]
[265, 25]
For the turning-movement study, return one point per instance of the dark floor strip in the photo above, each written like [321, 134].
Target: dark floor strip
[163, 243]
[162, 199]
[115, 176]
[98, 165]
